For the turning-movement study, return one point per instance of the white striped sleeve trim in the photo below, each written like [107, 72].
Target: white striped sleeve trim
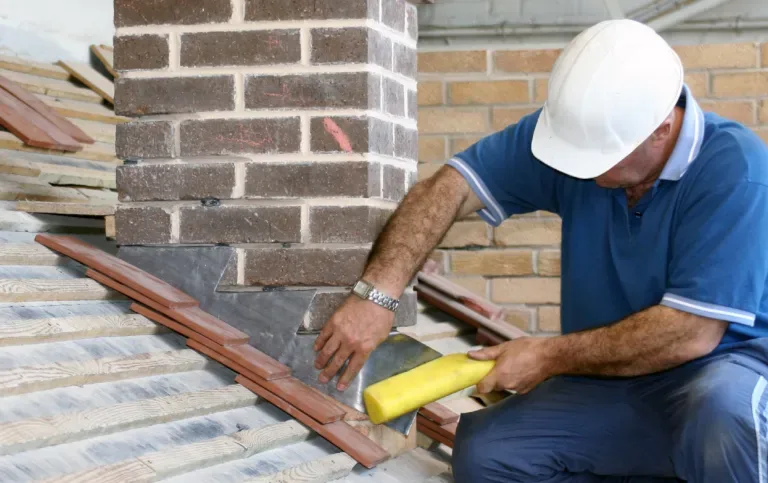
[708, 310]
[493, 213]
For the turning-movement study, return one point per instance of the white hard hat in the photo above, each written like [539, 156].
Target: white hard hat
[611, 87]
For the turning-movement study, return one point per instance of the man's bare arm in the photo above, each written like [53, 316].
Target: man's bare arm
[416, 227]
[649, 341]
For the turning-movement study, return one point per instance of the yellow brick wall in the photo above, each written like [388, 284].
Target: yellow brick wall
[464, 95]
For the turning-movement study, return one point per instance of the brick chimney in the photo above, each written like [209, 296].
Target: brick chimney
[283, 128]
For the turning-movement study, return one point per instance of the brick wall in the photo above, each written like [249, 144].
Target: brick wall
[463, 95]
[286, 129]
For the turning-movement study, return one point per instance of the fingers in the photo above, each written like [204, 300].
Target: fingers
[487, 353]
[354, 366]
[488, 383]
[338, 360]
[327, 352]
[325, 334]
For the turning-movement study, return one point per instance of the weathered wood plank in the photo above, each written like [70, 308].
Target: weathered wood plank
[34, 189]
[94, 152]
[66, 172]
[23, 380]
[133, 471]
[39, 331]
[53, 87]
[39, 290]
[27, 434]
[107, 57]
[90, 77]
[28, 254]
[31, 67]
[264, 439]
[320, 470]
[109, 227]
[100, 131]
[83, 209]
[193, 456]
[83, 110]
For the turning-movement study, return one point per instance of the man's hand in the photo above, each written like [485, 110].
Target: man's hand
[356, 328]
[521, 365]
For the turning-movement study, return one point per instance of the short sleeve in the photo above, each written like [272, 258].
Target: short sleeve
[719, 253]
[503, 172]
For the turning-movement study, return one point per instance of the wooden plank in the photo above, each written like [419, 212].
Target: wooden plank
[107, 57]
[90, 77]
[83, 110]
[81, 209]
[28, 434]
[322, 470]
[258, 440]
[94, 152]
[447, 431]
[44, 110]
[57, 174]
[53, 290]
[53, 87]
[339, 433]
[28, 254]
[438, 413]
[41, 331]
[430, 433]
[220, 332]
[427, 329]
[109, 227]
[190, 457]
[35, 190]
[133, 471]
[29, 127]
[100, 131]
[26, 66]
[22, 380]
[118, 270]
[99, 195]
[289, 389]
[488, 338]
[211, 335]
[18, 167]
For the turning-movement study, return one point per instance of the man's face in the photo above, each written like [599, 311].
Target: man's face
[631, 171]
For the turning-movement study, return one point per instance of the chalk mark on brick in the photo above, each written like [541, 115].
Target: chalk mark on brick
[338, 134]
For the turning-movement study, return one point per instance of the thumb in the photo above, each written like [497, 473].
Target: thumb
[486, 354]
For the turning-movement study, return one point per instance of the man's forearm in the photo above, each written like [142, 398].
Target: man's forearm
[414, 229]
[649, 341]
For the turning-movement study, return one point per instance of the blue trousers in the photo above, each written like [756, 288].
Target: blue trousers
[703, 422]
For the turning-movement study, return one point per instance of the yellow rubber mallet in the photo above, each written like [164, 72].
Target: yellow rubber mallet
[434, 380]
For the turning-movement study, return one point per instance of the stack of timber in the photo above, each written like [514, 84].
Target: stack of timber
[94, 391]
[57, 152]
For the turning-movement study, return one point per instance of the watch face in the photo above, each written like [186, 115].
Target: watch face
[360, 289]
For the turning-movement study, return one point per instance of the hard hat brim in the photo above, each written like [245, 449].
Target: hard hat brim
[563, 156]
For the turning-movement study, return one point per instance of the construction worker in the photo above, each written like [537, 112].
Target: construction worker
[661, 370]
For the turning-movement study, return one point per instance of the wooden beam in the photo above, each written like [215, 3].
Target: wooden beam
[83, 110]
[258, 440]
[35, 433]
[330, 468]
[40, 69]
[93, 152]
[53, 290]
[22, 380]
[53, 87]
[28, 254]
[107, 57]
[90, 77]
[42, 331]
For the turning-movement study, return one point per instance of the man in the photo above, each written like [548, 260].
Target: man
[660, 374]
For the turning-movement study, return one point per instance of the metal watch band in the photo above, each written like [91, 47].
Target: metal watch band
[384, 300]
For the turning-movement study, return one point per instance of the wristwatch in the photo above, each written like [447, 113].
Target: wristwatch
[367, 291]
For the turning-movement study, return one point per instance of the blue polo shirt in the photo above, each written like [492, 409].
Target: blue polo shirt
[697, 241]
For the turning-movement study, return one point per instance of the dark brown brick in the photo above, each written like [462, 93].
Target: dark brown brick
[171, 182]
[394, 183]
[325, 303]
[240, 224]
[346, 224]
[406, 143]
[292, 180]
[144, 139]
[134, 52]
[411, 21]
[142, 225]
[236, 136]
[394, 97]
[174, 12]
[304, 266]
[347, 90]
[413, 106]
[351, 45]
[171, 95]
[240, 48]
[393, 14]
[405, 60]
[317, 9]
[351, 134]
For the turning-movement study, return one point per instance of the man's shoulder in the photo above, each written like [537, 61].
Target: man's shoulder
[731, 153]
